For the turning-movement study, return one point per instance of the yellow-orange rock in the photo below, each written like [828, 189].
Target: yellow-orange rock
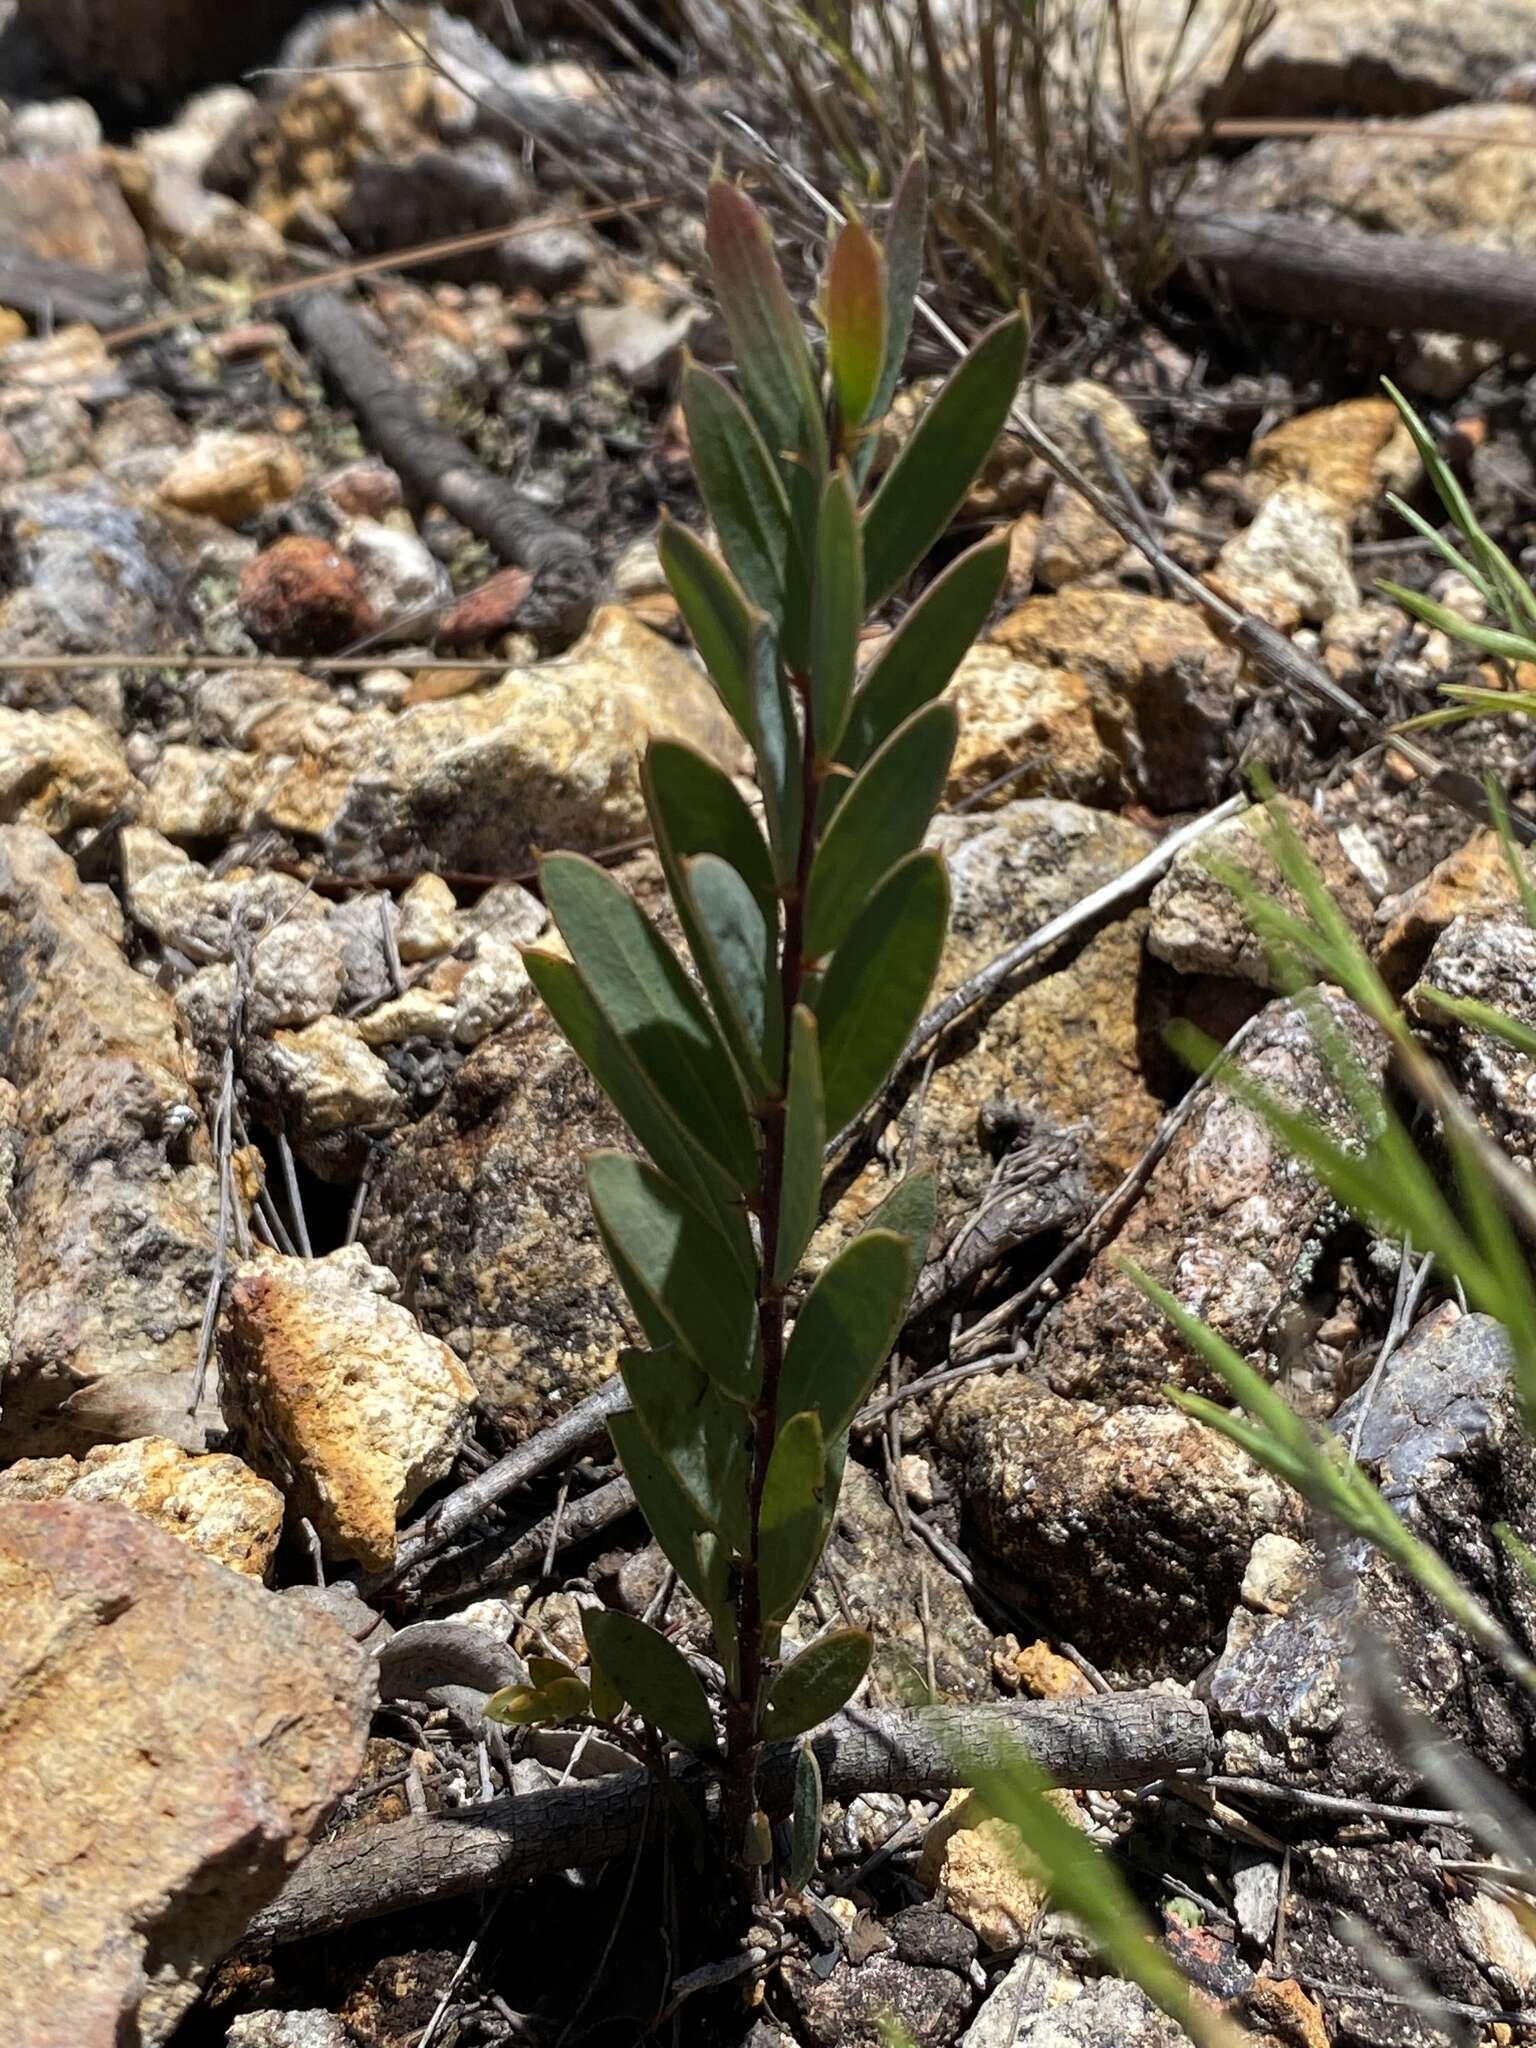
[213, 1502]
[339, 1394]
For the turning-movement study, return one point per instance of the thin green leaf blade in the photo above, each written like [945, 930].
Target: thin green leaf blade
[845, 1329]
[742, 489]
[672, 1260]
[1488, 639]
[837, 610]
[926, 484]
[805, 1141]
[792, 1520]
[725, 628]
[856, 323]
[812, 1687]
[873, 993]
[881, 819]
[653, 1009]
[652, 1674]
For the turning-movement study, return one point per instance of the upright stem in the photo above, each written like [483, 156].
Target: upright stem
[742, 1744]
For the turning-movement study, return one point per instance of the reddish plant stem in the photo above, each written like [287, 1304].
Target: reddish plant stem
[743, 1745]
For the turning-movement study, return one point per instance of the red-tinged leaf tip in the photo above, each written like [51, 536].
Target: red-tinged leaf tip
[856, 320]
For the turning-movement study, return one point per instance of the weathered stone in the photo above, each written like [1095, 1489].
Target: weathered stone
[1461, 174]
[1293, 562]
[1130, 1529]
[116, 1194]
[207, 917]
[1490, 960]
[485, 1221]
[981, 1868]
[1173, 676]
[60, 770]
[852, 2008]
[429, 919]
[327, 1081]
[1229, 1225]
[1040, 727]
[313, 2029]
[404, 585]
[1036, 1984]
[879, 1571]
[214, 1503]
[1074, 541]
[1351, 453]
[1199, 926]
[482, 615]
[1440, 1428]
[68, 209]
[200, 792]
[298, 970]
[302, 596]
[82, 569]
[1473, 882]
[548, 756]
[175, 1736]
[1066, 1045]
[336, 1392]
[232, 477]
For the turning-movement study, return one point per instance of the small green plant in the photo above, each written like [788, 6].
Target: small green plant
[1470, 1223]
[1510, 601]
[814, 938]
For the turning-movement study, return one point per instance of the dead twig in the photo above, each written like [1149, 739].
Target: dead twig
[439, 468]
[1106, 1744]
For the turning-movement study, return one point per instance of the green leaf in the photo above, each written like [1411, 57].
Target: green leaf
[856, 321]
[773, 359]
[600, 1050]
[607, 1700]
[724, 626]
[1481, 1017]
[694, 807]
[736, 950]
[700, 1561]
[652, 1674]
[776, 743]
[837, 610]
[699, 1433]
[804, 1821]
[792, 1517]
[910, 1209]
[684, 1279]
[1488, 639]
[653, 1009]
[805, 1142]
[873, 993]
[532, 1706]
[813, 1686]
[926, 484]
[845, 1329]
[905, 240]
[883, 816]
[917, 661]
[742, 489]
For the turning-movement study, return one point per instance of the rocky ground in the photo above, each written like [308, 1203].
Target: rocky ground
[293, 1236]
